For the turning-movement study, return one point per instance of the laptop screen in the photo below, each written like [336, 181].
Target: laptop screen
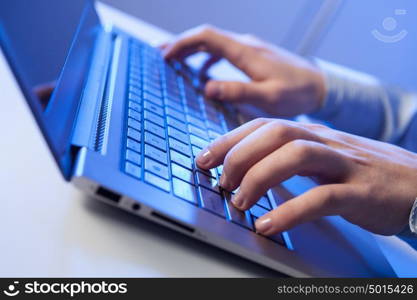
[41, 41]
[48, 45]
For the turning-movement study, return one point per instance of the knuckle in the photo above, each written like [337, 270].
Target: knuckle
[281, 130]
[260, 121]
[301, 149]
[316, 126]
[243, 53]
[207, 29]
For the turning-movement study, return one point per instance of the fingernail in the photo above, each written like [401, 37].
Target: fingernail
[237, 200]
[263, 225]
[223, 180]
[204, 157]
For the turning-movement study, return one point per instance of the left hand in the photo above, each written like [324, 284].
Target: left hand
[369, 183]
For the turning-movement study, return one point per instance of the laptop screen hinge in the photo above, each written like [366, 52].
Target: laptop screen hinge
[91, 104]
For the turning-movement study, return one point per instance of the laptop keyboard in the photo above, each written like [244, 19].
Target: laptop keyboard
[168, 122]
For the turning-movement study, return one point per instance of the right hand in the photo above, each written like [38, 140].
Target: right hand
[283, 84]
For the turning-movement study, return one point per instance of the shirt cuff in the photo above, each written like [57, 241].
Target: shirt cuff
[339, 84]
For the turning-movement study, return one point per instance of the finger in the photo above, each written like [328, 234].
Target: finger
[210, 40]
[163, 46]
[299, 157]
[318, 202]
[237, 91]
[213, 155]
[208, 64]
[257, 145]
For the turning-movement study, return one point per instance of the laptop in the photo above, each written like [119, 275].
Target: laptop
[125, 126]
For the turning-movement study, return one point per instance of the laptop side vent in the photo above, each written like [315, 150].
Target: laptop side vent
[104, 111]
[101, 124]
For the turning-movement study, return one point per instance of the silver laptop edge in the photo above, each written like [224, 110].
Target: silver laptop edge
[101, 169]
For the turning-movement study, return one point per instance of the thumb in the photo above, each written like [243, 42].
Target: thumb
[234, 90]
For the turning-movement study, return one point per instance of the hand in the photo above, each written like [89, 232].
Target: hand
[282, 83]
[369, 183]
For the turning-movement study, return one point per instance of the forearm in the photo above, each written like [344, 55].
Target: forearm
[360, 104]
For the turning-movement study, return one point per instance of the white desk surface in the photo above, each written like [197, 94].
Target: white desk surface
[49, 228]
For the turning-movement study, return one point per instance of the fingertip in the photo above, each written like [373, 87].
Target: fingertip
[163, 46]
[213, 89]
[264, 225]
[204, 158]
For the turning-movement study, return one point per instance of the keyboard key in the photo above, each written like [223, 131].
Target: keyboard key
[155, 141]
[135, 83]
[134, 94]
[179, 135]
[154, 118]
[134, 134]
[177, 124]
[192, 106]
[264, 202]
[156, 168]
[156, 154]
[211, 201]
[195, 150]
[196, 141]
[135, 98]
[153, 91]
[135, 115]
[184, 191]
[157, 181]
[175, 114]
[197, 132]
[215, 127]
[133, 170]
[257, 211]
[213, 117]
[197, 113]
[154, 99]
[133, 156]
[213, 135]
[219, 170]
[153, 108]
[181, 159]
[196, 122]
[277, 238]
[134, 124]
[151, 76]
[182, 173]
[131, 144]
[152, 83]
[158, 130]
[174, 105]
[135, 106]
[237, 216]
[179, 146]
[207, 181]
[210, 172]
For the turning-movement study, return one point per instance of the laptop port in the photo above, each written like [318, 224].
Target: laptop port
[135, 206]
[109, 195]
[172, 222]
